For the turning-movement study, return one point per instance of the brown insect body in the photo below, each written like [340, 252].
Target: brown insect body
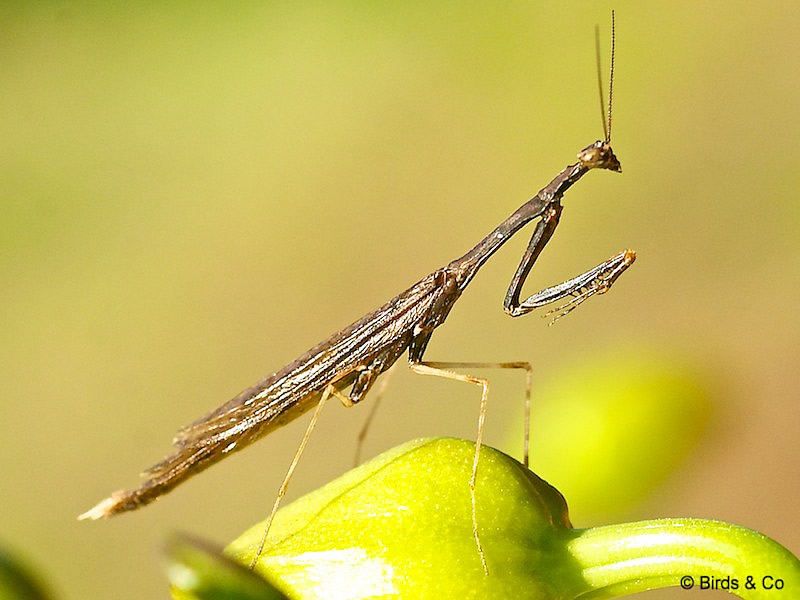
[359, 353]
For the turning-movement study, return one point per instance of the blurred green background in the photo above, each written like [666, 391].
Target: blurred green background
[192, 196]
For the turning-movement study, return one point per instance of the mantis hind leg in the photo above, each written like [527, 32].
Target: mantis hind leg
[329, 390]
[362, 434]
[363, 382]
[443, 369]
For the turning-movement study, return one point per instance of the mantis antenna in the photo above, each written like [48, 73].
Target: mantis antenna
[605, 118]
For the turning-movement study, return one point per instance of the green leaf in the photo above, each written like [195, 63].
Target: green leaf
[197, 571]
[17, 582]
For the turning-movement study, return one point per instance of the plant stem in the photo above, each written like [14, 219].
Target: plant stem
[633, 557]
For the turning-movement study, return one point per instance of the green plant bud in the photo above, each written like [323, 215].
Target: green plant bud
[401, 525]
[608, 430]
